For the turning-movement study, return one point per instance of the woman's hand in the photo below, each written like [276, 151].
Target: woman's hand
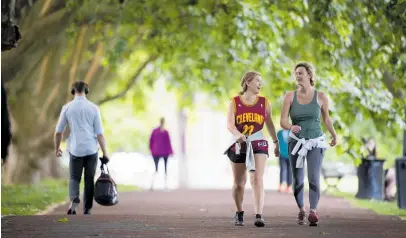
[333, 141]
[295, 129]
[241, 138]
[276, 150]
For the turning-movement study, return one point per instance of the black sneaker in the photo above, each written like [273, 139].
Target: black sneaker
[73, 205]
[71, 212]
[87, 211]
[239, 218]
[259, 221]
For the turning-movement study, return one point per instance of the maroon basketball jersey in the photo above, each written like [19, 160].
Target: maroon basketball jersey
[249, 118]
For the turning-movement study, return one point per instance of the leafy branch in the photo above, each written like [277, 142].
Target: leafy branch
[130, 83]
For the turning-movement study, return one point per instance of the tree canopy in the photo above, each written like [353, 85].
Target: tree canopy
[358, 49]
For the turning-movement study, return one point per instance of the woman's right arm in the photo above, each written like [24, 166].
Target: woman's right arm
[231, 120]
[285, 111]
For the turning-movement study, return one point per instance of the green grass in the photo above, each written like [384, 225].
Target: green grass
[380, 207]
[31, 199]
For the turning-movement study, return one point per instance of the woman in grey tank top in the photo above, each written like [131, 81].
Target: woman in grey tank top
[304, 106]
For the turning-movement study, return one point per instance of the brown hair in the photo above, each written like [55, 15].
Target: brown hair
[248, 77]
[310, 71]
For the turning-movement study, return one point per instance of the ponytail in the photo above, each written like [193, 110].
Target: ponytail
[247, 78]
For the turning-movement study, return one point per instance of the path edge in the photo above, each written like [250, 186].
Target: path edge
[50, 208]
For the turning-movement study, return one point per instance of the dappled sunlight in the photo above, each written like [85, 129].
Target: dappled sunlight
[143, 62]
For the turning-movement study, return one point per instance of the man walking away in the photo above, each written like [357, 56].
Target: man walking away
[84, 120]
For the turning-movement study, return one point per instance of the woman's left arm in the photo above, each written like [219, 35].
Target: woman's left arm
[326, 116]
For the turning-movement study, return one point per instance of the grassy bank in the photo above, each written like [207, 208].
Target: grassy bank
[31, 199]
[380, 207]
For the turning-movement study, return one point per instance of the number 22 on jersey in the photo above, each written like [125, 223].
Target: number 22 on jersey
[248, 129]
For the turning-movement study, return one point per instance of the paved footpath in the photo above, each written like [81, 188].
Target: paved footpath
[203, 213]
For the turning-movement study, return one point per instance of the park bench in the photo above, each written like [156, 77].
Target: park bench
[333, 172]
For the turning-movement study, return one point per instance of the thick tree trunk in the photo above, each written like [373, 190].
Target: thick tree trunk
[55, 168]
[37, 95]
[39, 73]
[51, 167]
[27, 168]
[27, 165]
[29, 156]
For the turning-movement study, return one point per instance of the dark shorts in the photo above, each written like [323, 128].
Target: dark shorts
[260, 147]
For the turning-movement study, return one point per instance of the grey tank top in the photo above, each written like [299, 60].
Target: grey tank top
[307, 116]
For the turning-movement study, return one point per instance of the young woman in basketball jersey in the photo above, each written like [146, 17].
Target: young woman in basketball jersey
[304, 106]
[247, 115]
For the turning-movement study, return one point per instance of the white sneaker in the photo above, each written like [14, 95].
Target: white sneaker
[73, 205]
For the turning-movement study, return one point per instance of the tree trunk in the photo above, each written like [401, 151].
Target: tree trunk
[29, 156]
[27, 169]
[36, 98]
[51, 167]
[55, 168]
[39, 73]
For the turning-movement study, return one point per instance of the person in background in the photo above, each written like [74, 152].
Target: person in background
[389, 174]
[86, 135]
[160, 147]
[370, 147]
[285, 174]
[390, 184]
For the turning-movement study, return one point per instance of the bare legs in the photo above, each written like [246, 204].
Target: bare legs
[240, 179]
[257, 183]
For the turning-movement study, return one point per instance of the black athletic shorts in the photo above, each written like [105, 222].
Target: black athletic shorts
[241, 157]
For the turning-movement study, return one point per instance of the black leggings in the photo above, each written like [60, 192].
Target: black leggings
[156, 161]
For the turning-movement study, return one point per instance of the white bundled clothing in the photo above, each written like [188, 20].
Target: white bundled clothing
[249, 159]
[307, 145]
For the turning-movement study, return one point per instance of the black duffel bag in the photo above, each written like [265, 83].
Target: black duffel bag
[105, 189]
